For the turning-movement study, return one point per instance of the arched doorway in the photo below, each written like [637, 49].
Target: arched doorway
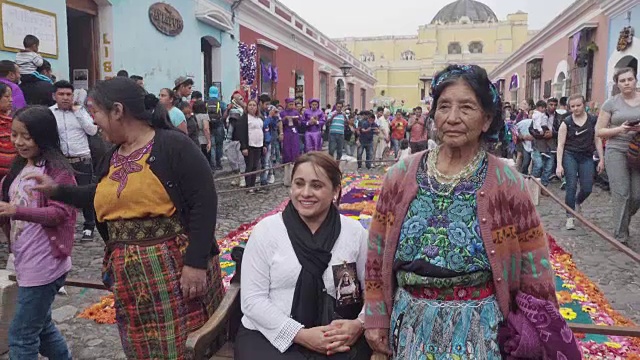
[628, 61]
[340, 90]
[211, 63]
[618, 59]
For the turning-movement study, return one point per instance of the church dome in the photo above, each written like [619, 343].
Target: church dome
[474, 11]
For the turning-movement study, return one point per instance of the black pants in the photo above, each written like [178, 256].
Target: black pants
[253, 162]
[84, 176]
[251, 344]
[207, 154]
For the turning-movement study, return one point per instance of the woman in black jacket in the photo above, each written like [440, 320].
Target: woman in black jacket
[155, 202]
[250, 131]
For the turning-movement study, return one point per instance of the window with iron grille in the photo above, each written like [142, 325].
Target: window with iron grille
[547, 89]
[581, 66]
[475, 47]
[534, 79]
[267, 58]
[454, 48]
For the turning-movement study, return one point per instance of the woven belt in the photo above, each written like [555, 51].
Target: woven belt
[475, 292]
[78, 159]
[144, 231]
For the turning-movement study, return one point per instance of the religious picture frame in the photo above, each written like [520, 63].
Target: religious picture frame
[347, 285]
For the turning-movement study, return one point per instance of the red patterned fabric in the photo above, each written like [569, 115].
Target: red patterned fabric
[154, 319]
[7, 151]
[457, 293]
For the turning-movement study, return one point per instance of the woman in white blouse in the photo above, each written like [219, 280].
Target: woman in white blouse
[251, 134]
[292, 265]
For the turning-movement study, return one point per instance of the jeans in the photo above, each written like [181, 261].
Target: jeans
[350, 149]
[32, 331]
[235, 157]
[266, 164]
[276, 155]
[369, 149]
[336, 144]
[542, 166]
[84, 176]
[395, 146]
[526, 161]
[578, 167]
[253, 162]
[217, 142]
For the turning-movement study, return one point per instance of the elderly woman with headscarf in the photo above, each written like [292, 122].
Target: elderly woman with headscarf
[290, 121]
[456, 245]
[313, 119]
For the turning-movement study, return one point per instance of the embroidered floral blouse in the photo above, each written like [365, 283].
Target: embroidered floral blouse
[440, 236]
[138, 192]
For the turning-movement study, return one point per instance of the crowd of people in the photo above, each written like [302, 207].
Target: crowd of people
[572, 141]
[427, 281]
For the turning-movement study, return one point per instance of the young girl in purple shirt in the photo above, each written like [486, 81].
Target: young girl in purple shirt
[41, 233]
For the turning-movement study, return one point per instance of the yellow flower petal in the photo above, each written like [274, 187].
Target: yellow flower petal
[568, 313]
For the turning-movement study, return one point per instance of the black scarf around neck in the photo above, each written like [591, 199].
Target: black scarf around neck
[314, 254]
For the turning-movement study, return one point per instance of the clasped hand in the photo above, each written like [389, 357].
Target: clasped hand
[331, 339]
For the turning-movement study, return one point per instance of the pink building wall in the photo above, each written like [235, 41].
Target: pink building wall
[558, 52]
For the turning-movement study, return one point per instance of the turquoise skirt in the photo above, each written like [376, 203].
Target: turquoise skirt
[453, 330]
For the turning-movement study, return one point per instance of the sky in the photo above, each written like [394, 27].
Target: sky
[345, 18]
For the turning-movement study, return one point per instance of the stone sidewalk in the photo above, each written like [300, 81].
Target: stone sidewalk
[615, 273]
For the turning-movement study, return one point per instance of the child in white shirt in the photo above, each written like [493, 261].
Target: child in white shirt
[28, 60]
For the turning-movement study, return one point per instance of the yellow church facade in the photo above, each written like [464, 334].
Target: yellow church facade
[465, 31]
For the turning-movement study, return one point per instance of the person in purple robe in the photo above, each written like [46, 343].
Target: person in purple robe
[314, 119]
[290, 121]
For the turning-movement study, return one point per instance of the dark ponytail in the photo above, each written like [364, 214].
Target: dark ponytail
[160, 118]
[135, 101]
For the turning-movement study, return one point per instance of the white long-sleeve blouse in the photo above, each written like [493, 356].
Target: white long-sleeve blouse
[270, 270]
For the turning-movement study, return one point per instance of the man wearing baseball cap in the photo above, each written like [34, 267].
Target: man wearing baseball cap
[183, 87]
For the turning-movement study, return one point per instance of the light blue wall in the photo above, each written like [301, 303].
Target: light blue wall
[142, 50]
[616, 24]
[60, 66]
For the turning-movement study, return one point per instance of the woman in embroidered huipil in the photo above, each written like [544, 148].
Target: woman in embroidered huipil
[156, 204]
[290, 122]
[434, 286]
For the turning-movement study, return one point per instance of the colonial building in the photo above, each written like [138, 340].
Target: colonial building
[575, 54]
[160, 41]
[465, 31]
[296, 60]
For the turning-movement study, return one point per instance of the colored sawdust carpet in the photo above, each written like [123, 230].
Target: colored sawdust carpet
[580, 299]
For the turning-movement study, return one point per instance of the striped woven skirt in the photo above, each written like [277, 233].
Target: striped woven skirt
[153, 317]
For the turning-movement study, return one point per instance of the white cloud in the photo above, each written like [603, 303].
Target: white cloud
[342, 18]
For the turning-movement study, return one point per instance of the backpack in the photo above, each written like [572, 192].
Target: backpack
[215, 113]
[633, 153]
[192, 129]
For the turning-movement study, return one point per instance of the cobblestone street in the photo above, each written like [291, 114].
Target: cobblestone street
[616, 274]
